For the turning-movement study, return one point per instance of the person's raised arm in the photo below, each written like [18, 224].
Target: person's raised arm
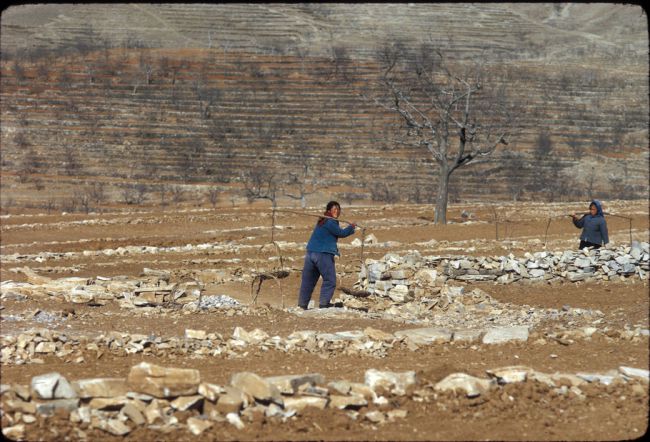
[334, 228]
[579, 223]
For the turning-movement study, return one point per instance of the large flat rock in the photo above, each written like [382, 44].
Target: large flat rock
[425, 336]
[500, 335]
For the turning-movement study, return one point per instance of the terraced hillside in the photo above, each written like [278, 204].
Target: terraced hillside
[144, 100]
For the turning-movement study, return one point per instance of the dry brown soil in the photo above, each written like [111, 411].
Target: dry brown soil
[524, 411]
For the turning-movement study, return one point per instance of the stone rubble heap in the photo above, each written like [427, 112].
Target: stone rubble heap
[164, 399]
[153, 288]
[419, 301]
[32, 346]
[401, 277]
[229, 247]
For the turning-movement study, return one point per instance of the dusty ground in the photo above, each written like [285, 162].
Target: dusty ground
[615, 412]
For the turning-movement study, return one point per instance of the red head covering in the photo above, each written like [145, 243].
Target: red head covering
[328, 211]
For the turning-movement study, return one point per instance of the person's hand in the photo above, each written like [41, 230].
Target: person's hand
[354, 226]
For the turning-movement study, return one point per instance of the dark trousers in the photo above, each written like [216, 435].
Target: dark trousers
[584, 244]
[317, 265]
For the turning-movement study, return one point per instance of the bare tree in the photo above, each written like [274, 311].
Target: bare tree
[97, 192]
[546, 176]
[591, 181]
[82, 199]
[146, 67]
[342, 65]
[577, 147]
[206, 96]
[29, 165]
[223, 134]
[71, 163]
[177, 193]
[302, 53]
[303, 185]
[19, 70]
[515, 168]
[50, 205]
[445, 107]
[128, 194]
[164, 190]
[302, 177]
[261, 183]
[213, 196]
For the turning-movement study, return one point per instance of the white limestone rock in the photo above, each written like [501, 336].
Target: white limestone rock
[500, 335]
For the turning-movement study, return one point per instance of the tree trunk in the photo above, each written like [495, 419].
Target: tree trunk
[440, 216]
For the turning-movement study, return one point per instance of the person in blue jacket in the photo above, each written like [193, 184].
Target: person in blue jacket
[593, 225]
[319, 259]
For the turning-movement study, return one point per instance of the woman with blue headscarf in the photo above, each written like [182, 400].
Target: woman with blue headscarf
[593, 225]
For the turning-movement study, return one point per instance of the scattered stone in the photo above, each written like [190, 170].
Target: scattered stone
[52, 386]
[153, 413]
[198, 426]
[133, 413]
[378, 335]
[258, 387]
[29, 418]
[81, 414]
[635, 372]
[22, 406]
[48, 408]
[596, 377]
[342, 387]
[400, 293]
[509, 375]
[301, 402]
[396, 383]
[184, 403]
[108, 403]
[21, 391]
[114, 427]
[234, 419]
[100, 387]
[231, 401]
[467, 336]
[218, 301]
[396, 414]
[163, 382]
[425, 336]
[375, 416]
[470, 385]
[289, 384]
[45, 347]
[210, 391]
[341, 402]
[499, 335]
[195, 334]
[15, 432]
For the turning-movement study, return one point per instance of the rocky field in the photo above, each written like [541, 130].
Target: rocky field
[181, 324]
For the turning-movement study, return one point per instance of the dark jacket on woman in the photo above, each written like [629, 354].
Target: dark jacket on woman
[325, 237]
[594, 228]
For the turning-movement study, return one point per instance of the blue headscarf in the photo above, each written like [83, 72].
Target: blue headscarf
[599, 208]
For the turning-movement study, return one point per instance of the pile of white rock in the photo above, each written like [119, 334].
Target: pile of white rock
[151, 396]
[37, 345]
[152, 288]
[396, 276]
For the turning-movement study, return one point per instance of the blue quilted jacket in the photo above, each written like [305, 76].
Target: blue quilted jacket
[594, 228]
[324, 238]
